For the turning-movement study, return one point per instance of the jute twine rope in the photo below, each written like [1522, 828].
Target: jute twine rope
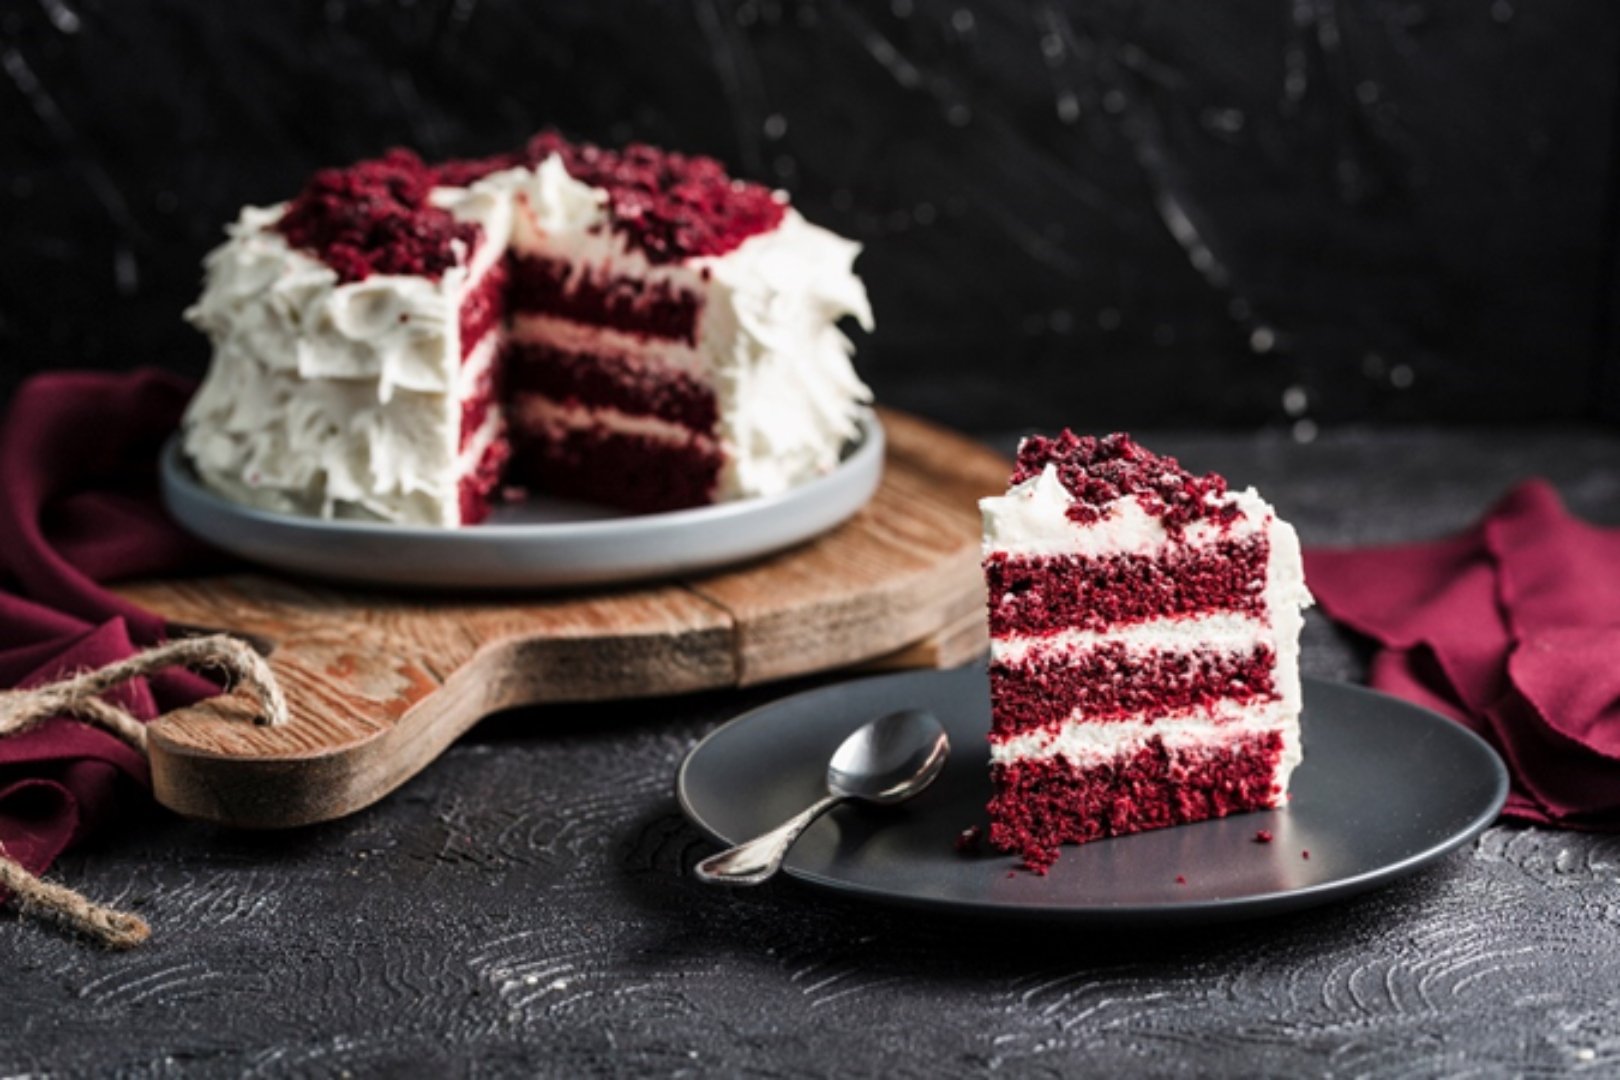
[78, 696]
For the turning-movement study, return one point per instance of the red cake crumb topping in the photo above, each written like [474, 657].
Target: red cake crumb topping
[1263, 836]
[1096, 471]
[1304, 854]
[1181, 879]
[670, 206]
[374, 218]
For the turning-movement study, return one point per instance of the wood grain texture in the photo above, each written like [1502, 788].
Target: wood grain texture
[379, 685]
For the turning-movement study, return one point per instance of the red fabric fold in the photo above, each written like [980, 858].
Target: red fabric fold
[79, 509]
[1512, 629]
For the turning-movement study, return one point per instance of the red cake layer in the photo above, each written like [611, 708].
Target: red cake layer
[1097, 471]
[1039, 595]
[375, 218]
[476, 489]
[630, 471]
[476, 406]
[550, 287]
[669, 206]
[1111, 682]
[483, 308]
[613, 382]
[1040, 805]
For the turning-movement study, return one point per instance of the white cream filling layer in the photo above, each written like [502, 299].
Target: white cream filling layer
[531, 411]
[1032, 519]
[1222, 631]
[473, 452]
[1086, 743]
[1081, 739]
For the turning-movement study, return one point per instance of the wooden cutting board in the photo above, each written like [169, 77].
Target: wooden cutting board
[378, 684]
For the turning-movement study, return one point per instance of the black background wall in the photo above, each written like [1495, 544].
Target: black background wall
[1100, 213]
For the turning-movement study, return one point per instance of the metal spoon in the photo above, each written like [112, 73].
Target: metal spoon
[887, 761]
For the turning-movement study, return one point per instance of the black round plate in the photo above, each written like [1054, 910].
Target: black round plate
[1385, 788]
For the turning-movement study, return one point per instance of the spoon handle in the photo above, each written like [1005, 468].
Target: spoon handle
[753, 861]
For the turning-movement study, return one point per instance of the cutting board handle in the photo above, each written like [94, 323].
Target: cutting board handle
[379, 684]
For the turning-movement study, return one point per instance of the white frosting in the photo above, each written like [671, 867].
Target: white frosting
[789, 397]
[473, 453]
[1222, 631]
[1286, 598]
[1086, 742]
[1032, 519]
[341, 400]
[558, 204]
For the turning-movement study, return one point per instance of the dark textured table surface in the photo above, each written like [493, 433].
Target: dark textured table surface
[526, 906]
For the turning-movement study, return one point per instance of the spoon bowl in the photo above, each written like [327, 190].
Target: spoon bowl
[890, 759]
[883, 762]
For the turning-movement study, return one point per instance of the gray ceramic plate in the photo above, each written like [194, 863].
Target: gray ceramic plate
[539, 542]
[1385, 789]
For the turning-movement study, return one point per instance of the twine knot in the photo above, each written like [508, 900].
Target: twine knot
[79, 696]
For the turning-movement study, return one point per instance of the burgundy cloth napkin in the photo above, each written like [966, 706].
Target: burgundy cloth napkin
[1512, 629]
[78, 508]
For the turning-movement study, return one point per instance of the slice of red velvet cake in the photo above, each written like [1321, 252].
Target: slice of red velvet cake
[1144, 666]
[631, 327]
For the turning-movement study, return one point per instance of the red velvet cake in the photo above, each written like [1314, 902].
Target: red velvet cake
[631, 327]
[1144, 666]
